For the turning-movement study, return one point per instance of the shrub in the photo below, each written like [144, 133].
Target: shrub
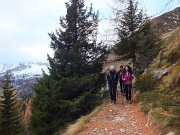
[163, 106]
[173, 123]
[173, 56]
[146, 82]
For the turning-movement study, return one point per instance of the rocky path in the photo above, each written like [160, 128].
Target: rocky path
[117, 119]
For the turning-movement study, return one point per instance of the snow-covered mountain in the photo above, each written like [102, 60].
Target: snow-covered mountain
[24, 75]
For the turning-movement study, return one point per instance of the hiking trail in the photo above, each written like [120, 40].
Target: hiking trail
[117, 119]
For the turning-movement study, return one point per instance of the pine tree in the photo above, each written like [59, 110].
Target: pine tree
[151, 43]
[10, 117]
[76, 51]
[75, 72]
[134, 32]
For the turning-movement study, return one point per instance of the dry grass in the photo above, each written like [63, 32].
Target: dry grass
[27, 112]
[159, 118]
[166, 35]
[165, 111]
[80, 124]
[171, 42]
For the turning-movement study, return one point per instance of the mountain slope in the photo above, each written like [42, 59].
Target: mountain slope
[167, 22]
[24, 76]
[165, 111]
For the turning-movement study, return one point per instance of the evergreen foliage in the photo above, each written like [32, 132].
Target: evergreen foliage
[10, 117]
[71, 89]
[136, 38]
[150, 45]
[146, 82]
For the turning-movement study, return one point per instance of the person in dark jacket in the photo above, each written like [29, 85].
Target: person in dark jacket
[120, 80]
[112, 79]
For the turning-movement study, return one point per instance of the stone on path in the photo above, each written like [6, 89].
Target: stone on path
[122, 131]
[171, 133]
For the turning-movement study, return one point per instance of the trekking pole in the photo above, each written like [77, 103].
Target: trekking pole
[123, 89]
[116, 93]
[123, 95]
[132, 94]
[122, 98]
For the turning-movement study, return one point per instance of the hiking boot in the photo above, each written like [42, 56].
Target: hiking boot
[127, 101]
[130, 102]
[114, 102]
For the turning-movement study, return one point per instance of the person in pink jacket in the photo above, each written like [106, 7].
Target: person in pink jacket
[127, 77]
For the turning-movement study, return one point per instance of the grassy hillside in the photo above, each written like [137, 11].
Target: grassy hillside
[163, 103]
[167, 22]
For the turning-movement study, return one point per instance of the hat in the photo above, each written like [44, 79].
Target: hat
[112, 67]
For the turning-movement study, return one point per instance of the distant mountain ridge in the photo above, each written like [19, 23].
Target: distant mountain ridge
[167, 22]
[24, 75]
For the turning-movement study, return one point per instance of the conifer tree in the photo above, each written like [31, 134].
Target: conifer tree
[75, 72]
[134, 32]
[10, 117]
[76, 51]
[150, 44]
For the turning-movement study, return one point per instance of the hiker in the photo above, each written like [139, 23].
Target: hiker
[112, 79]
[120, 80]
[127, 77]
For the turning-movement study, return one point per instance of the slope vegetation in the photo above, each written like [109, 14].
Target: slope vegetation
[163, 103]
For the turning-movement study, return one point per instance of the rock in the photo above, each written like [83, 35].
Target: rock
[122, 131]
[95, 130]
[161, 73]
[147, 124]
[171, 133]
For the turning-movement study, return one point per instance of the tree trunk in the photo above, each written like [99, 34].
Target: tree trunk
[134, 67]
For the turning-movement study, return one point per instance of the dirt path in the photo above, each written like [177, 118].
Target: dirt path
[117, 119]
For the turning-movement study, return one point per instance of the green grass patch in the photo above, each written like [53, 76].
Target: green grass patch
[163, 105]
[173, 123]
[146, 82]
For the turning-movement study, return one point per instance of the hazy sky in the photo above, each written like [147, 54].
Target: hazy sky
[25, 24]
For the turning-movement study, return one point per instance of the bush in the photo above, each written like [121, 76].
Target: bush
[146, 82]
[173, 56]
[163, 106]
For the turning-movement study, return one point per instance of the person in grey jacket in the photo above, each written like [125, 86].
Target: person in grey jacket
[112, 79]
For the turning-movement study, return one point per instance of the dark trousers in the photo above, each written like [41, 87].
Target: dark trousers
[121, 86]
[128, 91]
[112, 91]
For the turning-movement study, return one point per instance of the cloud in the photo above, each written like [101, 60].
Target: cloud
[6, 26]
[36, 51]
[25, 24]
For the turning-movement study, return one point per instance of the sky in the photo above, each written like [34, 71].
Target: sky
[25, 24]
